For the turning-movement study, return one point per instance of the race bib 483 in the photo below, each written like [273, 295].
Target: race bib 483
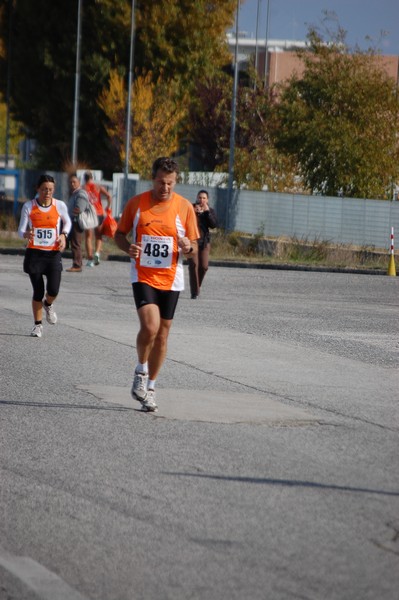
[156, 251]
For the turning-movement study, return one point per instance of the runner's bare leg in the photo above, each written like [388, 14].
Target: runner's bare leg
[152, 338]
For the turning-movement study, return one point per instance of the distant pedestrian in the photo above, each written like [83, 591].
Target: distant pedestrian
[78, 202]
[164, 229]
[95, 192]
[45, 223]
[198, 264]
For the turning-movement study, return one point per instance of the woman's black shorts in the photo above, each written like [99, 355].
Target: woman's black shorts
[42, 262]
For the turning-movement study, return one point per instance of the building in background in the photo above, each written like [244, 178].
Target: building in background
[283, 61]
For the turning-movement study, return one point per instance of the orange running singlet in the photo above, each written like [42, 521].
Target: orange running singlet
[157, 228]
[95, 197]
[44, 223]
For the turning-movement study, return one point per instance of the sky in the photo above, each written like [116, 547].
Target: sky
[290, 19]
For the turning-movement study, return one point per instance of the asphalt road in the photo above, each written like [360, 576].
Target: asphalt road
[269, 472]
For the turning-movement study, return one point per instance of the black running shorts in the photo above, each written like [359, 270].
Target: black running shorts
[165, 300]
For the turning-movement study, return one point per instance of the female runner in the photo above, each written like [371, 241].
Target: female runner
[45, 223]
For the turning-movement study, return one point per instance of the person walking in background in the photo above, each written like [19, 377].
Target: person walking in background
[198, 264]
[95, 192]
[45, 223]
[164, 229]
[78, 202]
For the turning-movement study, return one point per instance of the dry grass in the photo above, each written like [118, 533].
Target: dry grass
[236, 246]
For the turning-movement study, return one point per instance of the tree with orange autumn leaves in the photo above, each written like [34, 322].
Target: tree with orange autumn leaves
[156, 119]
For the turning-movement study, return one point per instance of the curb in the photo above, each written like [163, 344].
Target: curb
[234, 264]
[287, 267]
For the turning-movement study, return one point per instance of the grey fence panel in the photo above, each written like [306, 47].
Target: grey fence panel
[362, 222]
[127, 189]
[250, 213]
[188, 191]
[137, 186]
[300, 218]
[279, 214]
[29, 179]
[375, 226]
[379, 218]
[356, 221]
[352, 222]
[316, 215]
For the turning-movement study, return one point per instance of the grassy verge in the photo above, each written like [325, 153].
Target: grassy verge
[237, 246]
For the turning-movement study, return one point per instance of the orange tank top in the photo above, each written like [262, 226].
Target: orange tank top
[94, 197]
[44, 223]
[157, 229]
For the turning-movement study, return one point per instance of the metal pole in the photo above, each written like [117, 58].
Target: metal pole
[257, 36]
[128, 109]
[77, 89]
[266, 41]
[233, 123]
[8, 91]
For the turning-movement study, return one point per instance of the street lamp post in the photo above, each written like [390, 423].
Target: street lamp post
[266, 41]
[77, 89]
[257, 36]
[8, 90]
[233, 123]
[128, 109]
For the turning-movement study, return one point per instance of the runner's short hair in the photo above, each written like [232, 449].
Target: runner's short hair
[45, 178]
[164, 163]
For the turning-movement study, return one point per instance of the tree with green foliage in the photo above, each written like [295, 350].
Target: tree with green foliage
[43, 60]
[258, 163]
[14, 135]
[210, 121]
[180, 39]
[340, 121]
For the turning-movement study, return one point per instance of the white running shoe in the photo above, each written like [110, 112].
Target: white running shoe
[51, 315]
[139, 387]
[149, 404]
[90, 263]
[37, 331]
[96, 259]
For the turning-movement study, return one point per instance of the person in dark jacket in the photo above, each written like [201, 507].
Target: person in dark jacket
[198, 264]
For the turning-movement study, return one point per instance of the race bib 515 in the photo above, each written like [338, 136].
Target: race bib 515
[44, 237]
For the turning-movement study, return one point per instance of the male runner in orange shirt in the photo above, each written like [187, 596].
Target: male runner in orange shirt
[164, 229]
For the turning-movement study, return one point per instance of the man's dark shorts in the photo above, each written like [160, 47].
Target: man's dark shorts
[165, 300]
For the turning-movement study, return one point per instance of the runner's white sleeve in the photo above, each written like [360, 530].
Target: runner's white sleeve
[24, 220]
[63, 212]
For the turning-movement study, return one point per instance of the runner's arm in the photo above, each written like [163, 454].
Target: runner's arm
[188, 247]
[133, 250]
[211, 218]
[106, 193]
[24, 220]
[121, 241]
[65, 218]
